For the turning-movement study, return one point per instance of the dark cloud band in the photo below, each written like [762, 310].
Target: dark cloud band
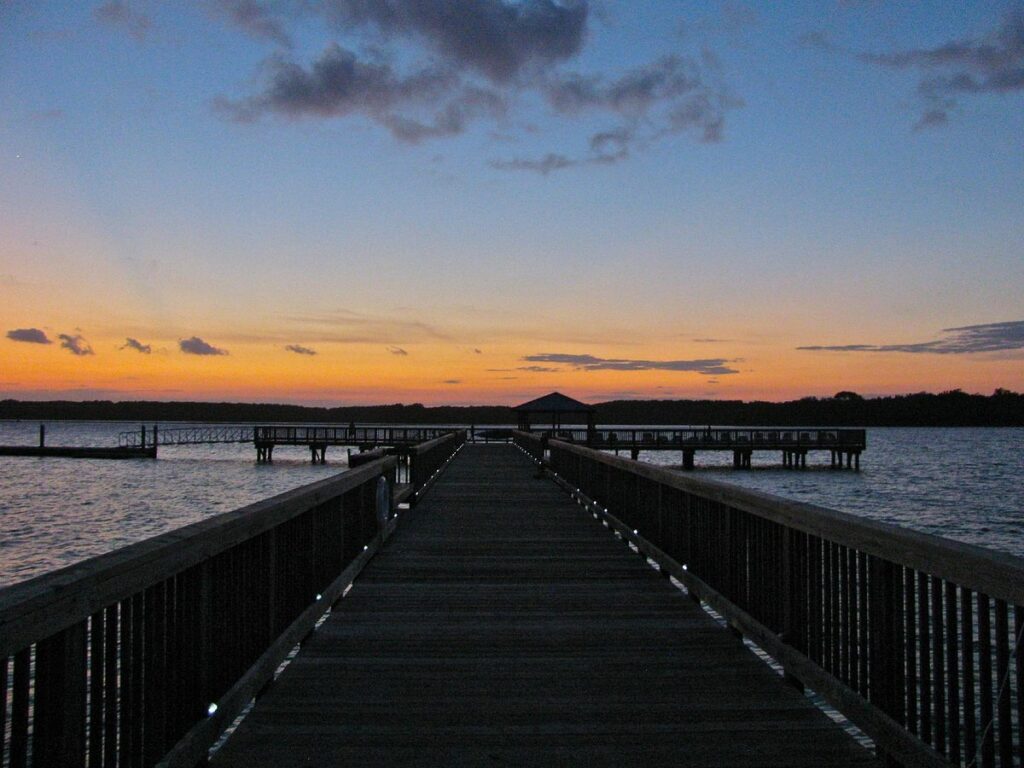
[968, 339]
[707, 367]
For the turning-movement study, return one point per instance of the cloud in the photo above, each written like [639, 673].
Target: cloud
[359, 328]
[29, 335]
[452, 381]
[498, 39]
[298, 349]
[538, 369]
[255, 19]
[196, 346]
[707, 367]
[544, 165]
[397, 351]
[428, 69]
[137, 345]
[428, 103]
[712, 341]
[992, 63]
[477, 351]
[671, 95]
[118, 14]
[76, 345]
[968, 339]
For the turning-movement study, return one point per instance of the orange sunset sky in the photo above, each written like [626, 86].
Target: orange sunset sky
[682, 200]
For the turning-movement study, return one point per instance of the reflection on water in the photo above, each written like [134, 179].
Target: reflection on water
[960, 483]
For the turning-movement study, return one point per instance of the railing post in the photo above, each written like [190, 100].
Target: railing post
[793, 613]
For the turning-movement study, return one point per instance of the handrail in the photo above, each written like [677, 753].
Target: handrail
[529, 442]
[907, 634]
[426, 460]
[119, 657]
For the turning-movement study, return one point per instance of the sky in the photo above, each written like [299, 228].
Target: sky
[480, 201]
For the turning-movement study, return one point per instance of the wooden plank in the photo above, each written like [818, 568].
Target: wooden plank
[501, 624]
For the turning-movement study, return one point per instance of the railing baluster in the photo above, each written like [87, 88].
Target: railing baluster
[18, 754]
[1003, 682]
[952, 673]
[988, 752]
[938, 667]
[910, 594]
[924, 632]
[967, 624]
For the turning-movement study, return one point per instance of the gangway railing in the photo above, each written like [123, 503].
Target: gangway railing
[145, 655]
[915, 638]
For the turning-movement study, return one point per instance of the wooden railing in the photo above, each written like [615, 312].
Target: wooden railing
[915, 638]
[718, 438]
[145, 655]
[426, 461]
[531, 443]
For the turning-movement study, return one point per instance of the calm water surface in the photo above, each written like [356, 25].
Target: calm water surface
[962, 483]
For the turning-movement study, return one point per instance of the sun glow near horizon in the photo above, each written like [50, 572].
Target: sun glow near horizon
[716, 201]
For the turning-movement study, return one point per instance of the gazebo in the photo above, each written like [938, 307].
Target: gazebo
[557, 409]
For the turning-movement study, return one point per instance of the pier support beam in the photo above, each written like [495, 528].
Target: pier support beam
[264, 453]
[318, 454]
[634, 453]
[688, 456]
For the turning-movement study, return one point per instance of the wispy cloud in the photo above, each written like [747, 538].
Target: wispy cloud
[968, 339]
[119, 15]
[538, 369]
[707, 367]
[29, 335]
[137, 345]
[255, 18]
[298, 349]
[992, 63]
[398, 351]
[196, 346]
[76, 344]
[452, 381]
[360, 328]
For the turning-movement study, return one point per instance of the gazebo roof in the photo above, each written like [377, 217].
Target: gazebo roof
[556, 402]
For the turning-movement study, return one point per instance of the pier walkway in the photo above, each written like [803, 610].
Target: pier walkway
[503, 625]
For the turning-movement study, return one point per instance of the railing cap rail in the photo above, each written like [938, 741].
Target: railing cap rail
[997, 574]
[430, 444]
[53, 601]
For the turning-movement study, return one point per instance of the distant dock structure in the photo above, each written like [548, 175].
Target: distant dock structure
[794, 443]
[552, 417]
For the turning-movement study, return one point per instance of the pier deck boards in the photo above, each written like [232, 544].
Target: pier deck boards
[502, 625]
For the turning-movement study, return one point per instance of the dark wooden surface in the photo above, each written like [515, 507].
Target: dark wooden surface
[502, 625]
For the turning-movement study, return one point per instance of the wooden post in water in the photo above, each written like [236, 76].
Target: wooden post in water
[42, 435]
[143, 435]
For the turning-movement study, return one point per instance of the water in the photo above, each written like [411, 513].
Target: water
[960, 483]
[54, 512]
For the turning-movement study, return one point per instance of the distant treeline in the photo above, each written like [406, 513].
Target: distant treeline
[952, 409]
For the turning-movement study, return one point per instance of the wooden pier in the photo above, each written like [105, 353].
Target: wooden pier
[502, 625]
[536, 605]
[138, 450]
[793, 443]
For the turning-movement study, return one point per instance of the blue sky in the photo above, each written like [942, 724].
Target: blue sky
[537, 177]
